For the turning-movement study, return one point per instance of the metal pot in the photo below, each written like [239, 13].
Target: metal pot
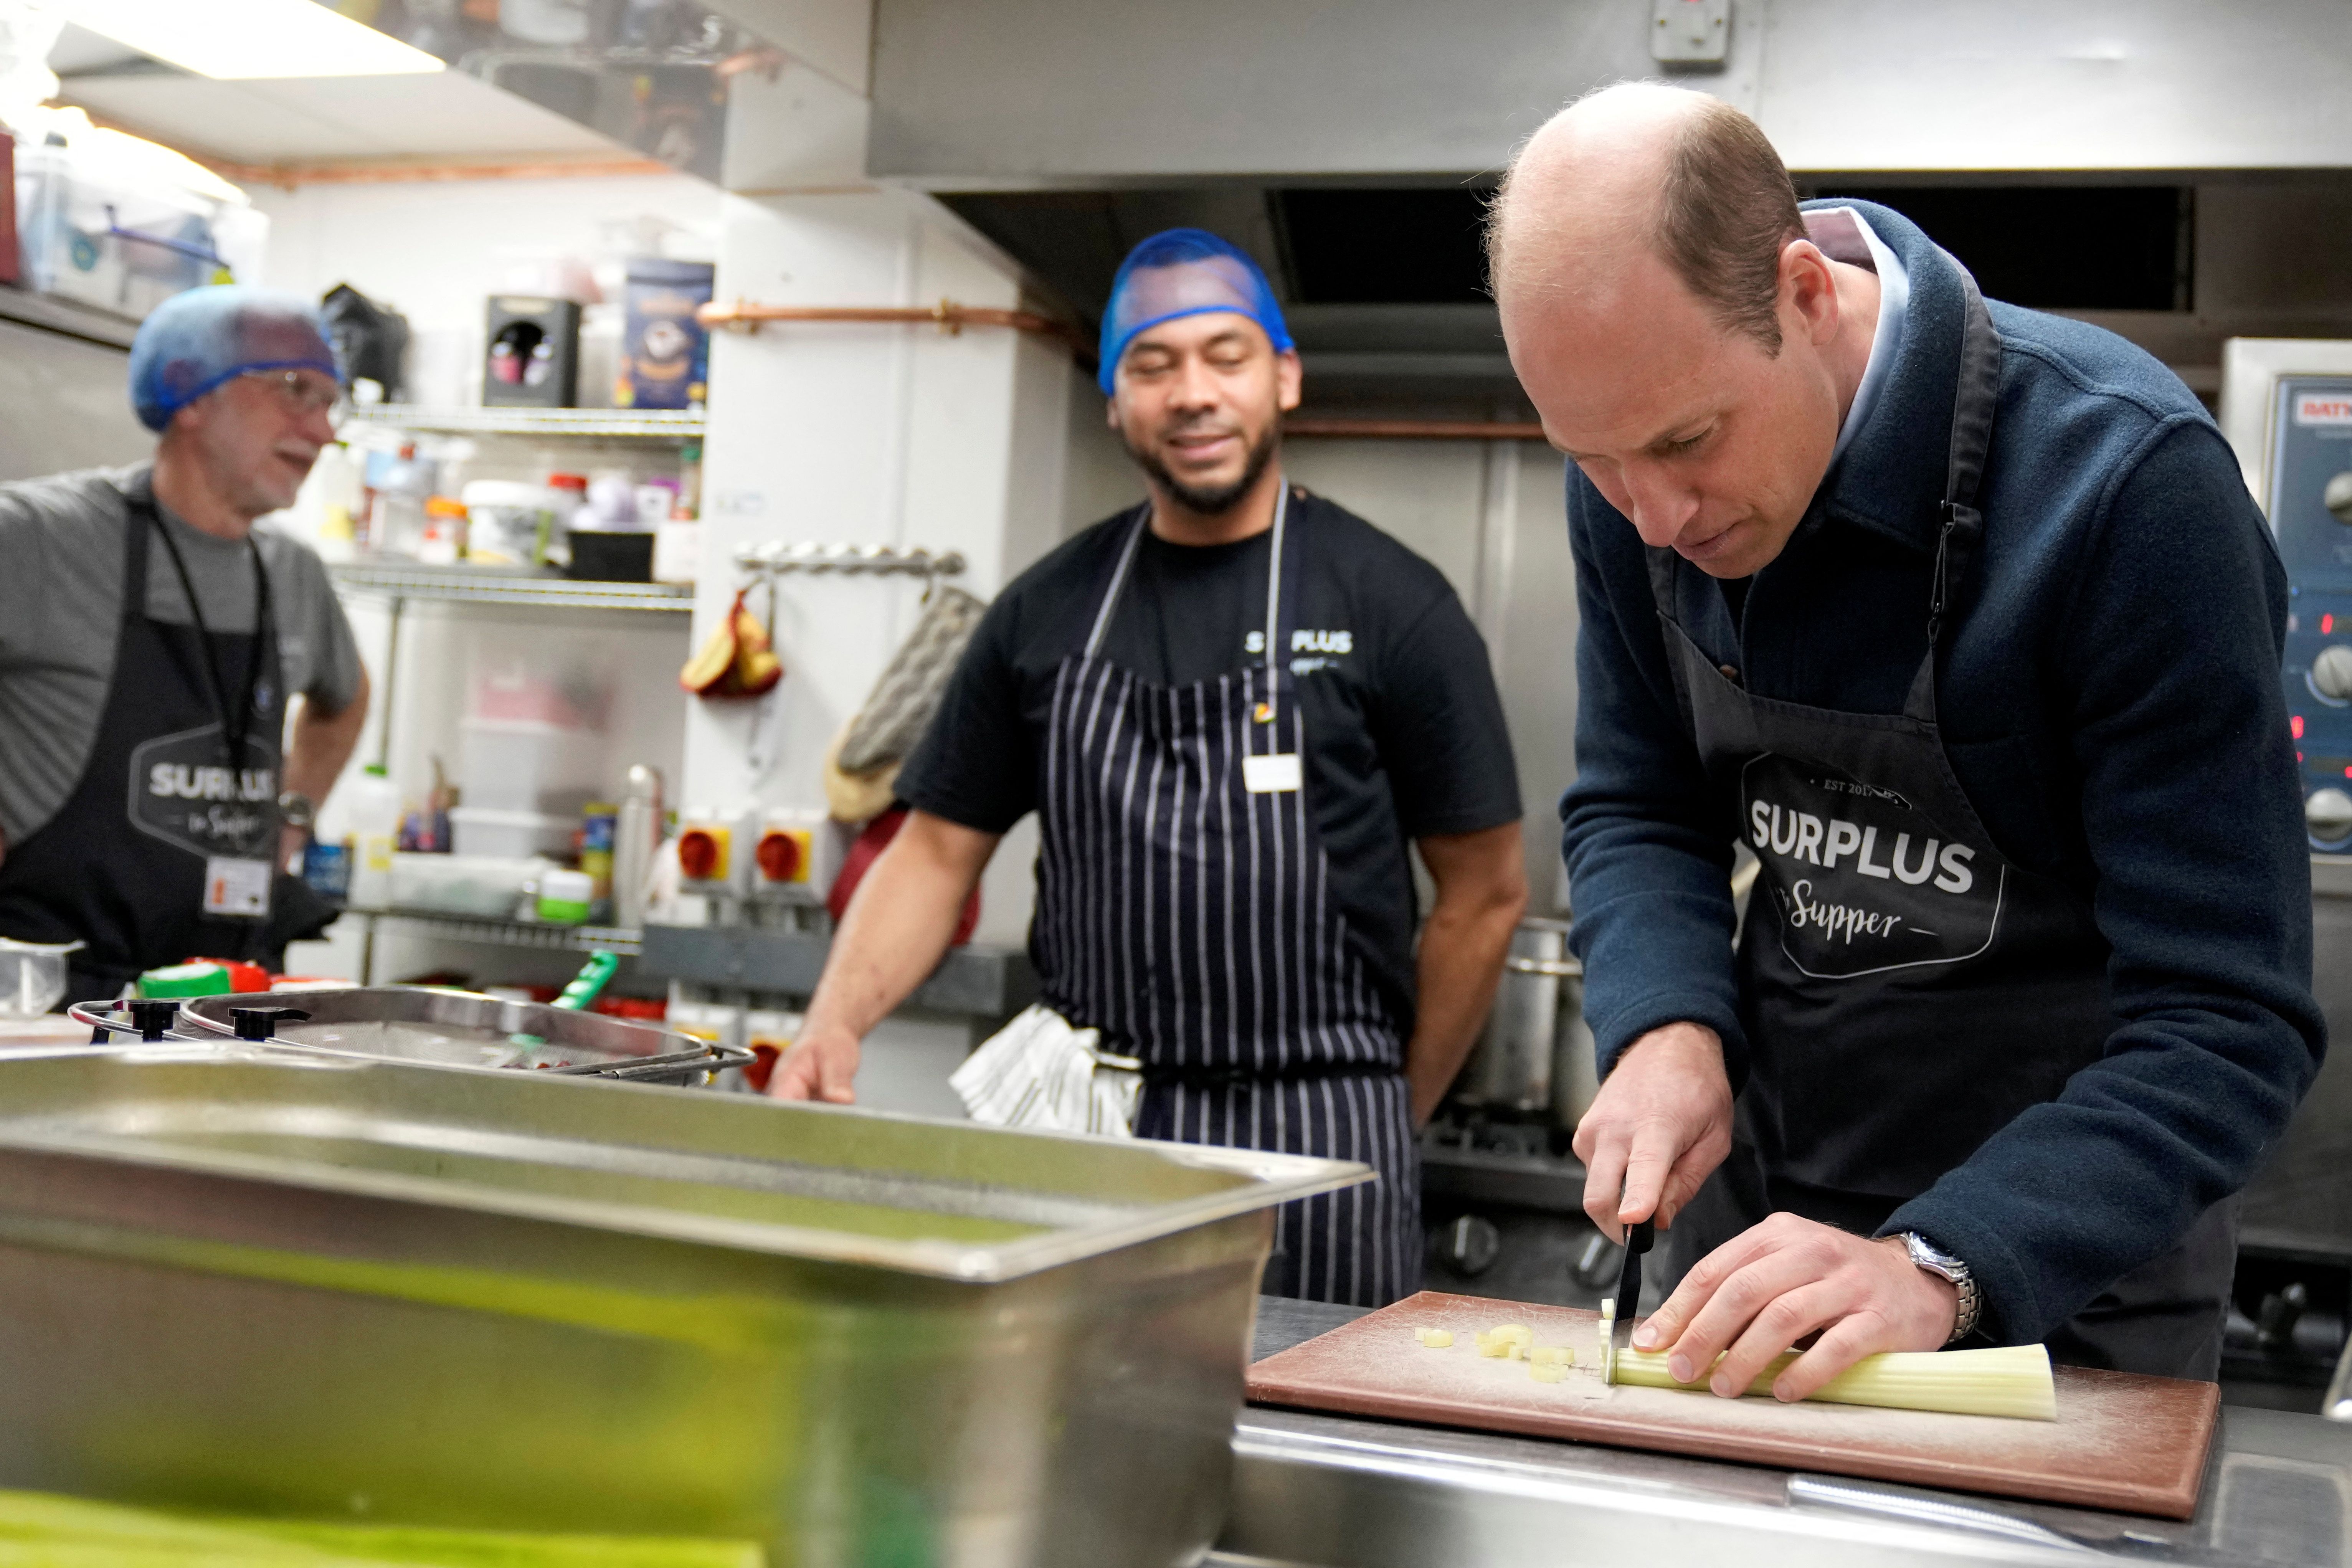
[1512, 1068]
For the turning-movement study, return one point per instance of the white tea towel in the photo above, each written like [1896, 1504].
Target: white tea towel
[1038, 1071]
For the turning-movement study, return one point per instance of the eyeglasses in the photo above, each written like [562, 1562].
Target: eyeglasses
[301, 393]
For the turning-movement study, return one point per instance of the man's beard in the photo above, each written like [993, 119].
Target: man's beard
[1212, 502]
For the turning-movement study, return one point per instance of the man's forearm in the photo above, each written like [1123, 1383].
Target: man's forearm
[1480, 895]
[323, 742]
[897, 926]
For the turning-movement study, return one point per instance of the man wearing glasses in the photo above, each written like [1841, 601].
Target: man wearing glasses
[150, 639]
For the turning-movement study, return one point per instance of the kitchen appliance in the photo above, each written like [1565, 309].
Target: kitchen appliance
[533, 360]
[520, 1301]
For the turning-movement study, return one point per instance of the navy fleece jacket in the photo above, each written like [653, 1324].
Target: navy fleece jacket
[2110, 701]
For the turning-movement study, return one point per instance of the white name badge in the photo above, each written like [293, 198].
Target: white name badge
[237, 890]
[1276, 775]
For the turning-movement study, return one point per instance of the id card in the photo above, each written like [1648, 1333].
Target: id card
[1276, 775]
[237, 890]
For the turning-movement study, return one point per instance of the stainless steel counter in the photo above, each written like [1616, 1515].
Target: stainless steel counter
[1320, 1492]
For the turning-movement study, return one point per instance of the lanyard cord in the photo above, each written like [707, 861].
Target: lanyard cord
[236, 725]
[1272, 580]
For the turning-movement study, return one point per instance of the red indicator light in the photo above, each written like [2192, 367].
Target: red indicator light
[2294, 722]
[2327, 624]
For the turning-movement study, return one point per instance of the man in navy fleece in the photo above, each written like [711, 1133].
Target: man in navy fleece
[1961, 619]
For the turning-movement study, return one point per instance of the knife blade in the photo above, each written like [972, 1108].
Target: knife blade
[1638, 1238]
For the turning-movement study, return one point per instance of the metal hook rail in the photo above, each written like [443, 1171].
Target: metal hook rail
[850, 560]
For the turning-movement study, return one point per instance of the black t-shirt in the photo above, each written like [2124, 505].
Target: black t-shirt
[1405, 736]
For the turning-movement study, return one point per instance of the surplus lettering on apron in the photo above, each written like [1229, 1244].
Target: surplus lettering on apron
[1863, 880]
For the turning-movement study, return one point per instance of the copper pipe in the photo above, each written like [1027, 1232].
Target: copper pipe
[1414, 429]
[946, 315]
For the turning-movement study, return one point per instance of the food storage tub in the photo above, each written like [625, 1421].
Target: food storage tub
[490, 886]
[504, 1299]
[520, 765]
[500, 835]
[92, 232]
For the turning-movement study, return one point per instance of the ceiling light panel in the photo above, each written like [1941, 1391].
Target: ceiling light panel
[235, 41]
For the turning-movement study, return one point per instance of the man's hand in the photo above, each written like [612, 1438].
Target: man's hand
[1657, 1130]
[1767, 1289]
[821, 1065]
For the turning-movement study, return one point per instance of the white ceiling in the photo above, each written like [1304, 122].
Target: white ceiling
[448, 114]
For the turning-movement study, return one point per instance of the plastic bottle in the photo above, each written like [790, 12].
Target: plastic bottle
[372, 808]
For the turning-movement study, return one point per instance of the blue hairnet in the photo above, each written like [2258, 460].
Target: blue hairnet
[1183, 272]
[198, 338]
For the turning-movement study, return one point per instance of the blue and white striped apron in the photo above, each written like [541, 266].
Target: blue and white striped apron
[1190, 919]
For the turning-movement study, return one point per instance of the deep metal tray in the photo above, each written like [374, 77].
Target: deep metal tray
[315, 1286]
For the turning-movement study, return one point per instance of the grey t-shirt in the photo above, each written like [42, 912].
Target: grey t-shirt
[61, 568]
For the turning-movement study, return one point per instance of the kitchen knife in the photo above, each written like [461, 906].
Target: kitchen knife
[1638, 1238]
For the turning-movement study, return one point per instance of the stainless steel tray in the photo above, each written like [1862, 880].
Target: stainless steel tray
[309, 1285]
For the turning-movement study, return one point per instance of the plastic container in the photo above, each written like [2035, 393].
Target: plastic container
[522, 764]
[490, 886]
[99, 235]
[372, 806]
[566, 897]
[603, 555]
[202, 978]
[509, 834]
[506, 524]
[32, 976]
[444, 543]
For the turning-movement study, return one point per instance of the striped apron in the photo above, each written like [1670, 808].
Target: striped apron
[1184, 908]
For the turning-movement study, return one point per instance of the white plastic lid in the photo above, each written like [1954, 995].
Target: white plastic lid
[567, 887]
[506, 492]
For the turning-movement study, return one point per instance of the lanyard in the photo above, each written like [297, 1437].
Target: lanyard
[236, 725]
[1273, 590]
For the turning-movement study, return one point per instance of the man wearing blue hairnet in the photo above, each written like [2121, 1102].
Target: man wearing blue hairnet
[1232, 707]
[150, 639]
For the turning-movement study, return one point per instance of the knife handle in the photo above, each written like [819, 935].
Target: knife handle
[1639, 1238]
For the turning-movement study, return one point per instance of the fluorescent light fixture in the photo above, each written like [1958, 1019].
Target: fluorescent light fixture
[245, 39]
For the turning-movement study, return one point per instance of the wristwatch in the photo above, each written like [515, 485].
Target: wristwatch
[1938, 1261]
[296, 809]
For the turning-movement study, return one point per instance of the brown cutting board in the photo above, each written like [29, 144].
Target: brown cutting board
[2121, 1441]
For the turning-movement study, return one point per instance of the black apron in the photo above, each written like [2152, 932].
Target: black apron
[1184, 908]
[162, 818]
[1907, 990]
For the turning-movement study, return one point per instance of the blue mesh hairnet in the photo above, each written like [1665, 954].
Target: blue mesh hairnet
[196, 340]
[1183, 272]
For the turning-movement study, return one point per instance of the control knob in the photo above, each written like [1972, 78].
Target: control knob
[2328, 815]
[2331, 672]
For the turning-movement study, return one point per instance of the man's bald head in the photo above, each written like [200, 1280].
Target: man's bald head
[1683, 340]
[1639, 171]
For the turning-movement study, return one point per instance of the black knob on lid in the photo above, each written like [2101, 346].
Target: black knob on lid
[262, 1022]
[152, 1015]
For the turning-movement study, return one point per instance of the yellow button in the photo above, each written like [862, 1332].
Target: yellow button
[1266, 713]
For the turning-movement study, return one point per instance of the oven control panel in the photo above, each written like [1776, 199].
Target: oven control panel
[2310, 484]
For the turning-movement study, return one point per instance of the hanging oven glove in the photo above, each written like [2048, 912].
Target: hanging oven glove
[899, 708]
[739, 660]
[862, 765]
[856, 797]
